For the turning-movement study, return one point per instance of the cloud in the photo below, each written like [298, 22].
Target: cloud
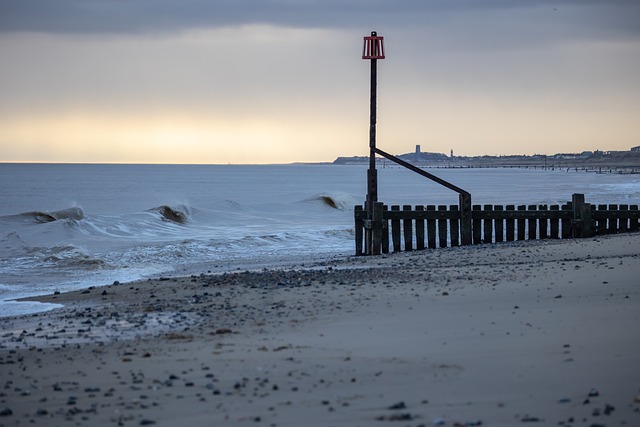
[614, 17]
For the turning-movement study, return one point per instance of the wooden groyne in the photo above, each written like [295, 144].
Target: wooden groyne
[431, 226]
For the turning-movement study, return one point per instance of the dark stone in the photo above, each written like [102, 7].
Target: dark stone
[6, 412]
[399, 405]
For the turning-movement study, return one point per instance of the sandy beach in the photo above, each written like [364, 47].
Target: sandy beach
[542, 333]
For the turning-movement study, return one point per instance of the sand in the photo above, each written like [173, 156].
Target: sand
[541, 333]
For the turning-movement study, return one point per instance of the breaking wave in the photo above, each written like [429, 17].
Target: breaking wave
[339, 201]
[74, 213]
[179, 214]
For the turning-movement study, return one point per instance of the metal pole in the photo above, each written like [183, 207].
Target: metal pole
[372, 174]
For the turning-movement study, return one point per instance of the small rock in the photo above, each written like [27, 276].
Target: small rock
[593, 393]
[146, 422]
[399, 405]
[6, 412]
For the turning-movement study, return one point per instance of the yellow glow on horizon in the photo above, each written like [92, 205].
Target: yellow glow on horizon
[164, 138]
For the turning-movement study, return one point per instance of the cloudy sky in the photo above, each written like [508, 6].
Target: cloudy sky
[278, 81]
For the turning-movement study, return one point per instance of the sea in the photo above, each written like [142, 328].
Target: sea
[70, 226]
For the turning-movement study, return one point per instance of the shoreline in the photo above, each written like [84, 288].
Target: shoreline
[498, 334]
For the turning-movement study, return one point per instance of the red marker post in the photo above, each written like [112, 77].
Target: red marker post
[373, 49]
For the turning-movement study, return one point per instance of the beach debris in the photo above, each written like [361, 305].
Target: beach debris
[396, 417]
[399, 405]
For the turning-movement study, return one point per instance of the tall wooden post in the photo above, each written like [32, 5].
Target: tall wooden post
[373, 50]
[372, 173]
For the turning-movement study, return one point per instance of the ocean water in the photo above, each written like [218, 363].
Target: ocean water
[69, 226]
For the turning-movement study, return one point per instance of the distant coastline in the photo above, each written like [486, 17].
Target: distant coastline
[604, 161]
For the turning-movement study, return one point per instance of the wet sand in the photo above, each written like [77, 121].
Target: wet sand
[499, 335]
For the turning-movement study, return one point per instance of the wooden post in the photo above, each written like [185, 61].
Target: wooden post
[419, 228]
[555, 223]
[634, 221]
[395, 230]
[601, 224]
[442, 228]
[408, 229]
[533, 223]
[565, 222]
[587, 227]
[544, 224]
[359, 229]
[477, 225]
[613, 220]
[385, 231]
[377, 228]
[624, 221]
[465, 218]
[521, 224]
[488, 224]
[431, 228]
[454, 227]
[511, 224]
[499, 224]
[581, 216]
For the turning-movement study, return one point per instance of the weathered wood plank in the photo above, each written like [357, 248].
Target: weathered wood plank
[466, 228]
[431, 228]
[623, 226]
[635, 223]
[565, 223]
[510, 224]
[499, 224]
[359, 229]
[442, 228]
[407, 225]
[601, 220]
[488, 225]
[520, 214]
[555, 223]
[419, 229]
[385, 230]
[613, 220]
[544, 223]
[395, 229]
[454, 228]
[476, 225]
[377, 228]
[521, 223]
[532, 224]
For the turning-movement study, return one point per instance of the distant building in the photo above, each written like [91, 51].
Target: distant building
[635, 148]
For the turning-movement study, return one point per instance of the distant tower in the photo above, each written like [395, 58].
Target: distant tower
[452, 153]
[418, 150]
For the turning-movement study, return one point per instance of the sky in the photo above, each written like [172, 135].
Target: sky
[280, 81]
